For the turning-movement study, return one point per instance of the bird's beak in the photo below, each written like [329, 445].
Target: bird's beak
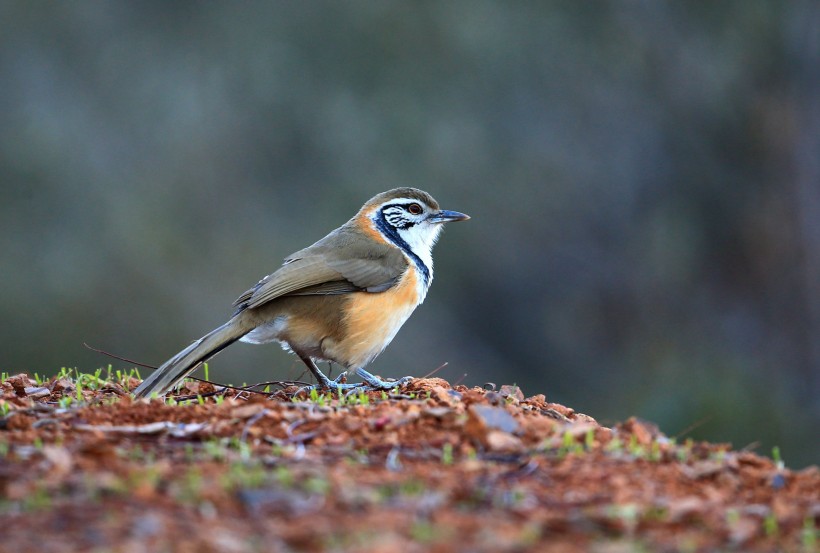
[445, 216]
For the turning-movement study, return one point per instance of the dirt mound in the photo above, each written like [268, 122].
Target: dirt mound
[430, 468]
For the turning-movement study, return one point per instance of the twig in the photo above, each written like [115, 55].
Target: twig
[692, 426]
[131, 361]
[301, 438]
[251, 422]
[434, 371]
[282, 383]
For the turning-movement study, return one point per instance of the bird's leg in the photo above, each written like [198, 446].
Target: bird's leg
[374, 382]
[371, 381]
[324, 383]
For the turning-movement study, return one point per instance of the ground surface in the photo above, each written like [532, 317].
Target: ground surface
[432, 468]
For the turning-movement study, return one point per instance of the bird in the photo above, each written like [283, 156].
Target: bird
[342, 299]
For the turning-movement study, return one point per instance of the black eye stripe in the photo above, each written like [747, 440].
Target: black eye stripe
[397, 217]
[400, 215]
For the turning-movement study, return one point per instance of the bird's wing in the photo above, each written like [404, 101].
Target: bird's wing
[342, 266]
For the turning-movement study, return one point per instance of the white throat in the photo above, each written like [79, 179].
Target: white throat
[416, 242]
[421, 239]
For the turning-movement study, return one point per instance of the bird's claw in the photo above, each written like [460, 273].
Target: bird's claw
[327, 384]
[371, 383]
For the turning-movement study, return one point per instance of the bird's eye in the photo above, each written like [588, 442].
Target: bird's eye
[415, 209]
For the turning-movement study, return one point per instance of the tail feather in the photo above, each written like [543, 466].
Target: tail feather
[183, 363]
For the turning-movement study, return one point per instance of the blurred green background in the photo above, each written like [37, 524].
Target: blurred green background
[643, 177]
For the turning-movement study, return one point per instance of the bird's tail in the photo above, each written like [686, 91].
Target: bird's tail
[183, 363]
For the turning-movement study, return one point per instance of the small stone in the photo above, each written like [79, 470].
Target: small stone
[702, 469]
[495, 418]
[247, 411]
[494, 397]
[502, 441]
[442, 395]
[437, 412]
[538, 400]
[743, 530]
[778, 481]
[59, 458]
[579, 429]
[512, 391]
[20, 382]
[643, 431]
[62, 384]
[482, 420]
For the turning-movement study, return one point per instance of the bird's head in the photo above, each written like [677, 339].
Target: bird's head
[410, 218]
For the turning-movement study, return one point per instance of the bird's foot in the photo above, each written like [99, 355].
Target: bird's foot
[327, 384]
[370, 382]
[373, 382]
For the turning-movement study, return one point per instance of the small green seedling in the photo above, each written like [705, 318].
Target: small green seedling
[447, 454]
[589, 439]
[809, 534]
[778, 461]
[770, 526]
